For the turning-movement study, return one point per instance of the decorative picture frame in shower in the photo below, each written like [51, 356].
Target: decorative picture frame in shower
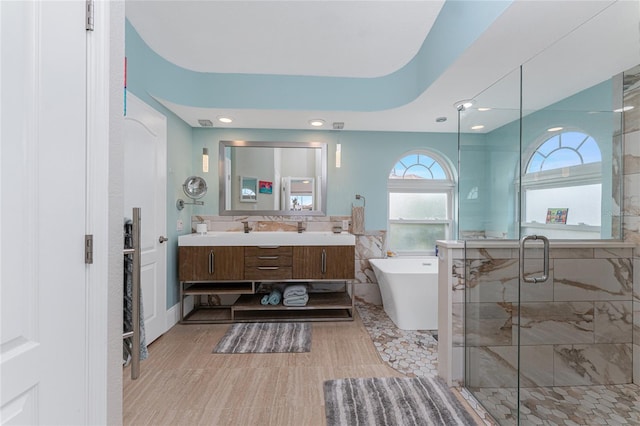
[248, 189]
[555, 215]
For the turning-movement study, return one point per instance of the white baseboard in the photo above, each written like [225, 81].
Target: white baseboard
[173, 313]
[173, 316]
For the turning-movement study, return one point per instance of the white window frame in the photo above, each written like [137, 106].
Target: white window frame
[423, 186]
[564, 177]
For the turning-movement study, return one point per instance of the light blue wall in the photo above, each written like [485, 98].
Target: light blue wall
[367, 159]
[491, 161]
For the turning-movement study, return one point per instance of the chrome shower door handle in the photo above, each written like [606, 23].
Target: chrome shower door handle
[545, 259]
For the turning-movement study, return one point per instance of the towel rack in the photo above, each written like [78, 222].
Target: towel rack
[135, 299]
[364, 201]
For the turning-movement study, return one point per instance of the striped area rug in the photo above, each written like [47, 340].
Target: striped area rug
[265, 337]
[392, 401]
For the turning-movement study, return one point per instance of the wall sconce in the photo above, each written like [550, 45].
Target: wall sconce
[338, 155]
[205, 160]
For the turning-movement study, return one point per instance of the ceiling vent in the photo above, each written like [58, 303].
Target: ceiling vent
[205, 123]
[338, 125]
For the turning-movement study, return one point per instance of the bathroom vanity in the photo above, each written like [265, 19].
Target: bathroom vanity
[224, 275]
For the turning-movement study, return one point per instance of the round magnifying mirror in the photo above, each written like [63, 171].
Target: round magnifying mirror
[194, 187]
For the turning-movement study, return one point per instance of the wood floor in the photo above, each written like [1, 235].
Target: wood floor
[184, 383]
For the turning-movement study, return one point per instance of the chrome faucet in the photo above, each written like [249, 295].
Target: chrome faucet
[300, 228]
[247, 228]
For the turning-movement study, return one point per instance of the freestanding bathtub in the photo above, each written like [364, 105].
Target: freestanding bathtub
[409, 289]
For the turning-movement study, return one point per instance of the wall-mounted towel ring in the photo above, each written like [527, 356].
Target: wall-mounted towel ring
[360, 197]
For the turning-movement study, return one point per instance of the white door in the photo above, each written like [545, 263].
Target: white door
[145, 180]
[44, 341]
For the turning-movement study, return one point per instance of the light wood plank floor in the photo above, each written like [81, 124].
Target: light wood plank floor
[184, 383]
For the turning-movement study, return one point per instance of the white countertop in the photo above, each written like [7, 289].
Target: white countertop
[258, 238]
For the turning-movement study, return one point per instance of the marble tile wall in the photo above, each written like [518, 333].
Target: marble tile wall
[575, 329]
[368, 246]
[631, 199]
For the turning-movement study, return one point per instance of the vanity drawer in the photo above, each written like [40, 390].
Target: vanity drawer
[251, 251]
[268, 260]
[268, 272]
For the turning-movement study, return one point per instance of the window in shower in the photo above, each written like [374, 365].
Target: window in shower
[420, 189]
[565, 171]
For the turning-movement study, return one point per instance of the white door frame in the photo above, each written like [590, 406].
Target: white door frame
[105, 118]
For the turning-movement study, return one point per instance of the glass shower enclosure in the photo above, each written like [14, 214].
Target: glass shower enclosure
[548, 300]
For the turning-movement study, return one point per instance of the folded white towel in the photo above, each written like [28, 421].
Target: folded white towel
[295, 290]
[296, 300]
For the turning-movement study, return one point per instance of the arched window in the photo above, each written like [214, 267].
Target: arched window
[564, 172]
[420, 194]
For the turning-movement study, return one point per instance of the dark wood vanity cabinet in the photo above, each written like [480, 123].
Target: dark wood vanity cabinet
[209, 275]
[207, 263]
[324, 262]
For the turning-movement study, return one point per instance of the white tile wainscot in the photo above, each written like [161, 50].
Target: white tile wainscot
[589, 295]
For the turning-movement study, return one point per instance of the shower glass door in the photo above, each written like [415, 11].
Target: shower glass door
[546, 306]
[489, 159]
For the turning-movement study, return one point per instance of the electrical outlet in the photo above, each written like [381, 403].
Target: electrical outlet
[180, 225]
[345, 225]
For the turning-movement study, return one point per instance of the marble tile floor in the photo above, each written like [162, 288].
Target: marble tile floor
[566, 405]
[411, 352]
[415, 354]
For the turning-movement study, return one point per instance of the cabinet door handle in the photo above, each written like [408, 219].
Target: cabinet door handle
[323, 267]
[268, 257]
[267, 268]
[212, 261]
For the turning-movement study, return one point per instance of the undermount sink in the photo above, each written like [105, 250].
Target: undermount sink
[267, 239]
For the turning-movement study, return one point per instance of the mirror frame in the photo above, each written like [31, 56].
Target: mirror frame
[322, 211]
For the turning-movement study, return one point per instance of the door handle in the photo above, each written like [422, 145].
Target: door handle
[545, 259]
[162, 239]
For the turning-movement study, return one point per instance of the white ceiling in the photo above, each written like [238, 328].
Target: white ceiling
[567, 45]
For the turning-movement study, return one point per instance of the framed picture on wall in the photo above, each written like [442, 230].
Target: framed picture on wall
[555, 215]
[265, 187]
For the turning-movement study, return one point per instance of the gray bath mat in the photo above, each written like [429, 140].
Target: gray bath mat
[392, 401]
[266, 337]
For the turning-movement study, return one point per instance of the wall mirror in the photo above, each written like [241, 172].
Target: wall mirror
[272, 178]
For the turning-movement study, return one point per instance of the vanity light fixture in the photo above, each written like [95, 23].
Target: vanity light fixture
[477, 127]
[317, 122]
[205, 160]
[338, 155]
[225, 120]
[554, 129]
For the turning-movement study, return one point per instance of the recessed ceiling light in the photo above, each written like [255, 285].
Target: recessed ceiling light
[477, 127]
[441, 119]
[316, 122]
[484, 109]
[464, 104]
[554, 129]
[225, 120]
[624, 108]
